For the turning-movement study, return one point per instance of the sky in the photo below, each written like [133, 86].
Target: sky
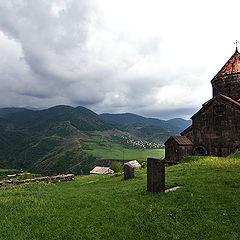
[149, 57]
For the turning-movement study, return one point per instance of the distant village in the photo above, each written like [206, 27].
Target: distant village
[137, 143]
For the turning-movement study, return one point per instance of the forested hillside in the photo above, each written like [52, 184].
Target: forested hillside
[64, 139]
[151, 129]
[48, 141]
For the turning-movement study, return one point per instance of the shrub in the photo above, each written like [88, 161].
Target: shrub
[116, 167]
[143, 163]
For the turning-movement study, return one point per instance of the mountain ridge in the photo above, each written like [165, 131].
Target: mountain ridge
[55, 140]
[178, 124]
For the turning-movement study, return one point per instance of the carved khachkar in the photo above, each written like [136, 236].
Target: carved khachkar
[155, 175]
[128, 171]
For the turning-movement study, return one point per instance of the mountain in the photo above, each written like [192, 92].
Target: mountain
[179, 122]
[27, 119]
[149, 129]
[86, 120]
[5, 111]
[80, 117]
[58, 139]
[48, 141]
[126, 118]
[175, 125]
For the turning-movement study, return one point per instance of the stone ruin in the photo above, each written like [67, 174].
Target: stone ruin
[59, 178]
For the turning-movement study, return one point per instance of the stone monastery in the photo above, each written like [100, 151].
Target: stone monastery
[215, 128]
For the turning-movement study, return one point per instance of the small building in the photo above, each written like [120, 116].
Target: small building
[101, 170]
[178, 147]
[134, 163]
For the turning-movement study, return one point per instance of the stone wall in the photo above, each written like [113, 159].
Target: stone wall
[227, 85]
[216, 129]
[188, 133]
[171, 151]
[59, 178]
[175, 152]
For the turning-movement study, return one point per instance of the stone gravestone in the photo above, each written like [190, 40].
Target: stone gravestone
[155, 175]
[128, 171]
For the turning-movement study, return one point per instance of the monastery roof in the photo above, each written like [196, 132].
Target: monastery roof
[225, 98]
[207, 102]
[181, 140]
[231, 100]
[187, 130]
[232, 66]
[101, 170]
[237, 103]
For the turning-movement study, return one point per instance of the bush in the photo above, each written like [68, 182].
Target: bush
[143, 163]
[116, 167]
[25, 176]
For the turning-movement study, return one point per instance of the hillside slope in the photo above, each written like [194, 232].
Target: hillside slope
[65, 139]
[179, 122]
[82, 118]
[48, 141]
[173, 125]
[5, 111]
[107, 207]
[150, 129]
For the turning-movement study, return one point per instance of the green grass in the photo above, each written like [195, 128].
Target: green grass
[104, 147]
[107, 207]
[119, 153]
[5, 172]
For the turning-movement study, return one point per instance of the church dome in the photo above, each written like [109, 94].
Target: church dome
[227, 80]
[232, 66]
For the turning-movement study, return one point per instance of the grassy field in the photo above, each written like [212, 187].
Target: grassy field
[107, 207]
[119, 153]
[105, 148]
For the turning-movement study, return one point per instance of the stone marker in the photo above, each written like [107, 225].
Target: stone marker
[128, 171]
[155, 175]
[135, 164]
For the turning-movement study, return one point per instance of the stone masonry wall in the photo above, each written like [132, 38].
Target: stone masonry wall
[59, 178]
[217, 129]
[228, 86]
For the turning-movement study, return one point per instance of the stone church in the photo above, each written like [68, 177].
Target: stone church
[215, 128]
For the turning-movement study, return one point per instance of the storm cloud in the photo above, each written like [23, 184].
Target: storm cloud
[147, 57]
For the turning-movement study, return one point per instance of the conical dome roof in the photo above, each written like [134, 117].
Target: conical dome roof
[232, 66]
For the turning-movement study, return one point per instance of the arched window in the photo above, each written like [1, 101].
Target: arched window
[200, 151]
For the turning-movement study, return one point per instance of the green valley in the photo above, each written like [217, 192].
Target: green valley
[65, 139]
[106, 145]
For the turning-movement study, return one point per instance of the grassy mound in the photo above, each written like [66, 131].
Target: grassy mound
[107, 207]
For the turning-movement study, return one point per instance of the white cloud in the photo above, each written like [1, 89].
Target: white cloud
[150, 57]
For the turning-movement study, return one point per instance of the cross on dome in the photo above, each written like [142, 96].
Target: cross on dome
[232, 66]
[236, 43]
